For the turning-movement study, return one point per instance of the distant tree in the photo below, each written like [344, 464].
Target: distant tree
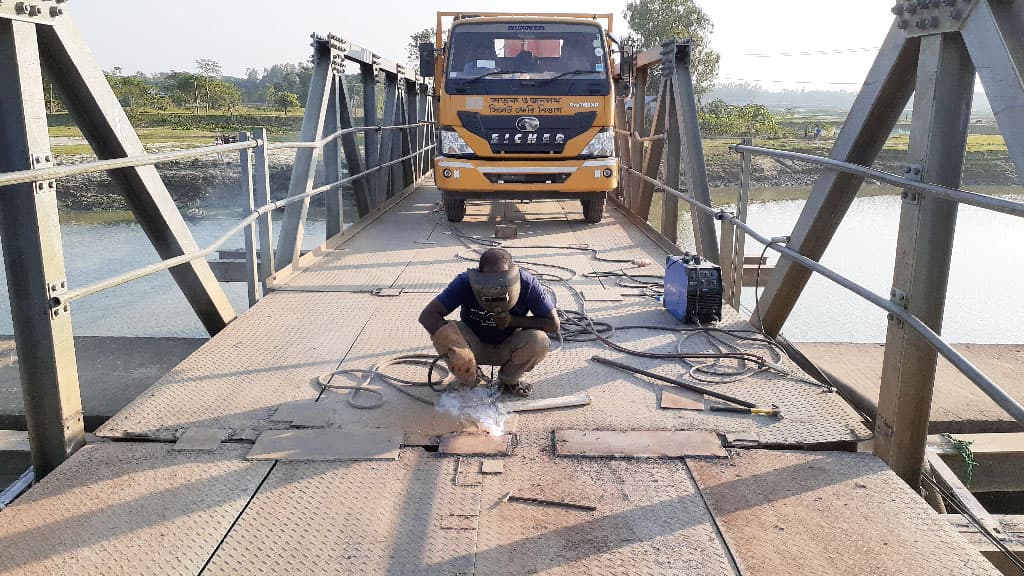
[223, 95]
[718, 118]
[209, 70]
[413, 48]
[267, 94]
[285, 101]
[182, 88]
[654, 21]
[132, 92]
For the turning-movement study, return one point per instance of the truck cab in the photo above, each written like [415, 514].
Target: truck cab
[525, 109]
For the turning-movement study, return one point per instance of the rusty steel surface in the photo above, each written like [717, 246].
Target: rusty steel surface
[776, 509]
[128, 508]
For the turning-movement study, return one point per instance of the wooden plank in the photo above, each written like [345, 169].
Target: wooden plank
[475, 444]
[642, 444]
[679, 399]
[326, 445]
[545, 403]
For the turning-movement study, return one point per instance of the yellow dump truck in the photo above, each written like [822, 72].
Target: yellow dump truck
[525, 108]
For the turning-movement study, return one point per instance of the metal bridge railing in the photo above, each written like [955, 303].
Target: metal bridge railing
[1002, 205]
[42, 174]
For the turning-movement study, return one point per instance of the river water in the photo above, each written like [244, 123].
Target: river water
[984, 303]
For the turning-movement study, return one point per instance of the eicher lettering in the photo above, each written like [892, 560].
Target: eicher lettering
[525, 28]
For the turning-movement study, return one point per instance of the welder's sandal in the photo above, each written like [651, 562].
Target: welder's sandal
[521, 388]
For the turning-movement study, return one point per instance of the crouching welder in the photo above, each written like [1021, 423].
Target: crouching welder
[505, 314]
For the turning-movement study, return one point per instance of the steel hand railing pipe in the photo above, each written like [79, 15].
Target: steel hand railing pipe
[54, 172]
[332, 137]
[962, 196]
[990, 388]
[138, 273]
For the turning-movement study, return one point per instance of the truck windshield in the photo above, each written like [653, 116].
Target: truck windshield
[515, 57]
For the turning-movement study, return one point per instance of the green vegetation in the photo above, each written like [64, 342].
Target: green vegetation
[654, 21]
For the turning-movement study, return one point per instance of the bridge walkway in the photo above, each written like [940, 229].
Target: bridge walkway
[142, 498]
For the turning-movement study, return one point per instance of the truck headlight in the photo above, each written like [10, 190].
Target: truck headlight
[602, 146]
[453, 145]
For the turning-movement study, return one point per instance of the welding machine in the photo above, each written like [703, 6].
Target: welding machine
[693, 289]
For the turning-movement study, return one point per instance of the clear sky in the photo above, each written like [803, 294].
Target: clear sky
[153, 36]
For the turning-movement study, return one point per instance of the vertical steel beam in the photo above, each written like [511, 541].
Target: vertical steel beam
[350, 146]
[332, 163]
[289, 242]
[252, 280]
[878, 106]
[673, 145]
[653, 153]
[387, 138]
[372, 138]
[994, 34]
[423, 131]
[739, 244]
[34, 258]
[693, 151]
[638, 125]
[727, 250]
[104, 124]
[622, 141]
[924, 248]
[261, 186]
[409, 134]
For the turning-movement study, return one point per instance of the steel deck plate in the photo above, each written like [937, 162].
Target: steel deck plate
[128, 508]
[777, 509]
[236, 381]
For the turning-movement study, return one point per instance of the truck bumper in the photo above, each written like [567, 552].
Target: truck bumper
[525, 178]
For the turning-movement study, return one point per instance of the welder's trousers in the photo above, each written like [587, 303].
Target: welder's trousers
[518, 354]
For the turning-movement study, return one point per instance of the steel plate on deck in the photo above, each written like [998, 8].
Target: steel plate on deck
[128, 508]
[266, 357]
[775, 508]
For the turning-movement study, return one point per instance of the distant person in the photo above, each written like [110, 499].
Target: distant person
[817, 132]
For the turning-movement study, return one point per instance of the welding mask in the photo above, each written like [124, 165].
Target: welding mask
[496, 292]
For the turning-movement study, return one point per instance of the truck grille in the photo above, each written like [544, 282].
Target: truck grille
[549, 137]
[499, 178]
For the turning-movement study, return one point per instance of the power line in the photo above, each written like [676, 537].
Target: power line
[751, 80]
[812, 52]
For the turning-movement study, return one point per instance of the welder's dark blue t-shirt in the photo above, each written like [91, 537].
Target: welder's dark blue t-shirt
[459, 294]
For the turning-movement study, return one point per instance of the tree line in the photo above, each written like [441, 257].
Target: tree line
[206, 89]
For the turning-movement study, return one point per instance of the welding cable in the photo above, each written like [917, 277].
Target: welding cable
[400, 384]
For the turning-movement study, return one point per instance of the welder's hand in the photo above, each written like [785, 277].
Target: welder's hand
[502, 320]
[463, 365]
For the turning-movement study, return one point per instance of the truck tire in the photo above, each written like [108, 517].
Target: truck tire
[593, 209]
[455, 210]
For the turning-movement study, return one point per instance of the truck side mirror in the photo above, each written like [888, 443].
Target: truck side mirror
[427, 59]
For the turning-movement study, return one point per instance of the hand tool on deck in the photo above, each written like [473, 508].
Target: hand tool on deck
[509, 497]
[773, 411]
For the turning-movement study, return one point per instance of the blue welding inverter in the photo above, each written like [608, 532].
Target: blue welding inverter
[693, 289]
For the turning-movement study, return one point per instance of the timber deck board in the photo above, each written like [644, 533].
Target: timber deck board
[133, 504]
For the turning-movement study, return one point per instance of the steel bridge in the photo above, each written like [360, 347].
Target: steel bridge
[267, 450]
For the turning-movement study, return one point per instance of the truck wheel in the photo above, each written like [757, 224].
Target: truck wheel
[593, 209]
[455, 210]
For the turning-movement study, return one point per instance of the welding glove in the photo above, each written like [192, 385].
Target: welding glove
[448, 341]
